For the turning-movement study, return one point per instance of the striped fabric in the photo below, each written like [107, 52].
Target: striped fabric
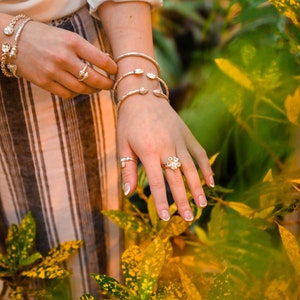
[58, 160]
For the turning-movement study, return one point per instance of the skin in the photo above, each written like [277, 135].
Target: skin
[148, 127]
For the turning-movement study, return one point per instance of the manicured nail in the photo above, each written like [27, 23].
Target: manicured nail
[188, 216]
[202, 201]
[165, 215]
[212, 182]
[126, 188]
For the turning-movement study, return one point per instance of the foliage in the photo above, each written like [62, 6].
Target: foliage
[233, 69]
[243, 253]
[20, 266]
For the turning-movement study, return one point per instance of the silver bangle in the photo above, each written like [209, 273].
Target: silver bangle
[138, 54]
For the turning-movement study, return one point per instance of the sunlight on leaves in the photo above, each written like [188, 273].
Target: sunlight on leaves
[292, 106]
[291, 246]
[290, 8]
[152, 263]
[234, 73]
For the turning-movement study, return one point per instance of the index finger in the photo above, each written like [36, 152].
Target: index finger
[97, 58]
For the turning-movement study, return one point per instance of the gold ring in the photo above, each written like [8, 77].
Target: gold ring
[123, 161]
[172, 163]
[83, 74]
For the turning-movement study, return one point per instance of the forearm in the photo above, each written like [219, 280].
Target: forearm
[129, 29]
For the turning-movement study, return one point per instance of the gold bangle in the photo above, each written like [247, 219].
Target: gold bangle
[141, 91]
[9, 29]
[159, 93]
[13, 50]
[133, 72]
[152, 76]
[138, 54]
[5, 50]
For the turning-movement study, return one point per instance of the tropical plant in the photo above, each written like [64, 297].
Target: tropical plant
[21, 267]
[234, 73]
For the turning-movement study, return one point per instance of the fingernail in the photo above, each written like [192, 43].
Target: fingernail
[188, 216]
[202, 201]
[164, 214]
[126, 188]
[212, 182]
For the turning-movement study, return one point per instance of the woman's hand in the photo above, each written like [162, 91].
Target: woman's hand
[149, 129]
[52, 59]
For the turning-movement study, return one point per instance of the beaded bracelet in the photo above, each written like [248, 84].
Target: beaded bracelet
[138, 54]
[10, 69]
[9, 29]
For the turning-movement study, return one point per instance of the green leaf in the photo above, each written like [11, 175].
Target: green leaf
[27, 234]
[46, 272]
[3, 262]
[61, 252]
[221, 287]
[112, 286]
[131, 267]
[290, 8]
[87, 297]
[127, 221]
[174, 227]
[189, 287]
[234, 73]
[12, 247]
[152, 212]
[31, 259]
[152, 263]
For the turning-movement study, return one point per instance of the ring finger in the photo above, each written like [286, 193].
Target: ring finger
[176, 184]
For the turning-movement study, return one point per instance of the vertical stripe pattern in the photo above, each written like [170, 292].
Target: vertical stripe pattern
[58, 159]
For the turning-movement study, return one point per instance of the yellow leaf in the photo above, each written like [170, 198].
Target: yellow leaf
[291, 246]
[233, 72]
[189, 287]
[242, 208]
[290, 8]
[268, 177]
[292, 106]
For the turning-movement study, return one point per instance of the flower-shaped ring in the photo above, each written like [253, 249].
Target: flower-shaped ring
[172, 163]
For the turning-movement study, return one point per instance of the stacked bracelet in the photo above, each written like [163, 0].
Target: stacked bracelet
[10, 69]
[164, 93]
[142, 55]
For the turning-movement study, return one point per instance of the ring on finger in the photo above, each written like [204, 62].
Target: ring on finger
[123, 161]
[83, 73]
[172, 163]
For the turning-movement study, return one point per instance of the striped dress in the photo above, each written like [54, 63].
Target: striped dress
[58, 160]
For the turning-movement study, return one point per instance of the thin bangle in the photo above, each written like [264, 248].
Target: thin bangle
[139, 54]
[10, 28]
[13, 50]
[133, 72]
[140, 91]
[152, 76]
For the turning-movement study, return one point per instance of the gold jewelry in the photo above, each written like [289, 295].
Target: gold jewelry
[172, 163]
[9, 29]
[152, 76]
[83, 74]
[141, 91]
[10, 69]
[159, 93]
[5, 51]
[133, 72]
[123, 161]
[13, 50]
[138, 54]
